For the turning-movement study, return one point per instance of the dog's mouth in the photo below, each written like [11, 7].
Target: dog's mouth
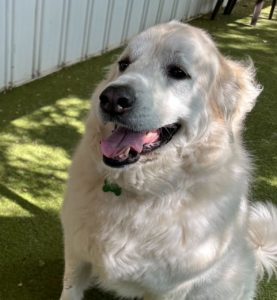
[124, 146]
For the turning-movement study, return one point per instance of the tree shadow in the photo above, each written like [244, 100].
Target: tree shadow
[39, 129]
[24, 263]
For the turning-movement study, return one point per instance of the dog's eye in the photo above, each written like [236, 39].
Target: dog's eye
[176, 72]
[123, 64]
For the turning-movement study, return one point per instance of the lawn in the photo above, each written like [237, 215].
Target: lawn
[40, 124]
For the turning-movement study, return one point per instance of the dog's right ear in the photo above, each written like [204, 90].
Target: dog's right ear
[235, 92]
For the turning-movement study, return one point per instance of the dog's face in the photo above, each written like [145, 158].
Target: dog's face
[165, 91]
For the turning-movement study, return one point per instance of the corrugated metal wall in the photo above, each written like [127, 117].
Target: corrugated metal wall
[38, 37]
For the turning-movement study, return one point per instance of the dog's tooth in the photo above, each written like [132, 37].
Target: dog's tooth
[126, 152]
[124, 155]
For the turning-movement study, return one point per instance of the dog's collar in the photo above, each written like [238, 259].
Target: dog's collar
[111, 187]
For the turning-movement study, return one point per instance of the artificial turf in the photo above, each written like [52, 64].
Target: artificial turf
[41, 122]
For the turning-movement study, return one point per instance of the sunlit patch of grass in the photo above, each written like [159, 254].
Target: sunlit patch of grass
[65, 111]
[36, 164]
[268, 180]
[35, 151]
[39, 129]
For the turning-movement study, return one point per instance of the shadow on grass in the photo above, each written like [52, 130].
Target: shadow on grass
[40, 124]
[31, 258]
[24, 267]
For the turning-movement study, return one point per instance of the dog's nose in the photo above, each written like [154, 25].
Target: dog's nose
[117, 100]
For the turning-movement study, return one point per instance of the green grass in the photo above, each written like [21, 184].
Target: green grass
[40, 124]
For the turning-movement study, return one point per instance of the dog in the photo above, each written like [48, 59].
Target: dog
[156, 203]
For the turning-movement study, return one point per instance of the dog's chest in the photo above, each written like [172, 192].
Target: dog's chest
[144, 246]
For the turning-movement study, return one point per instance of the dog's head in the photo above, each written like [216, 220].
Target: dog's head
[170, 89]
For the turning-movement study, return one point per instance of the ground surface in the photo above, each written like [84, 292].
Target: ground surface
[40, 124]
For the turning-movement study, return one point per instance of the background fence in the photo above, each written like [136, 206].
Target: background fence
[38, 37]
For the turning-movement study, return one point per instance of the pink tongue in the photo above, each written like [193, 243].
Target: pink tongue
[122, 140]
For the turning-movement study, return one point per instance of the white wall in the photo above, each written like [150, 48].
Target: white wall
[38, 37]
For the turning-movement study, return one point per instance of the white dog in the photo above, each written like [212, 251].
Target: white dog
[156, 205]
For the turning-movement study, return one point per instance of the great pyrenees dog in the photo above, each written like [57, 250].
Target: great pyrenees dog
[156, 204]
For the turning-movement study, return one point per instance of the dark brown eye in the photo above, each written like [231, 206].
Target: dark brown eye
[176, 72]
[123, 64]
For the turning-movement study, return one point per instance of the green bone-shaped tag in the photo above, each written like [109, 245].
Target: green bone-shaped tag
[111, 187]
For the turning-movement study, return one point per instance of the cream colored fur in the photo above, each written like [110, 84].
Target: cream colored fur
[183, 227]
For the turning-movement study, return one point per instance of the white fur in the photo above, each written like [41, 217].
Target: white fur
[181, 228]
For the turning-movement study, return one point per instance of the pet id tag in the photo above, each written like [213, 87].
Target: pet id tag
[111, 187]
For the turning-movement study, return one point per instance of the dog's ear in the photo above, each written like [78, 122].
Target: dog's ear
[235, 91]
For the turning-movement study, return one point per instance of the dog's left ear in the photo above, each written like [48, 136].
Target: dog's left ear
[237, 91]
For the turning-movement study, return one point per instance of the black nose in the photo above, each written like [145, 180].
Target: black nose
[117, 99]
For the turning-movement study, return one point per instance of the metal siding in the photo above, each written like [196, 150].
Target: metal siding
[23, 33]
[8, 41]
[174, 9]
[117, 22]
[51, 35]
[199, 5]
[166, 11]
[151, 13]
[64, 32]
[38, 37]
[86, 33]
[76, 26]
[204, 6]
[127, 20]
[2, 43]
[144, 14]
[182, 9]
[136, 17]
[208, 6]
[97, 27]
[193, 8]
[189, 9]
